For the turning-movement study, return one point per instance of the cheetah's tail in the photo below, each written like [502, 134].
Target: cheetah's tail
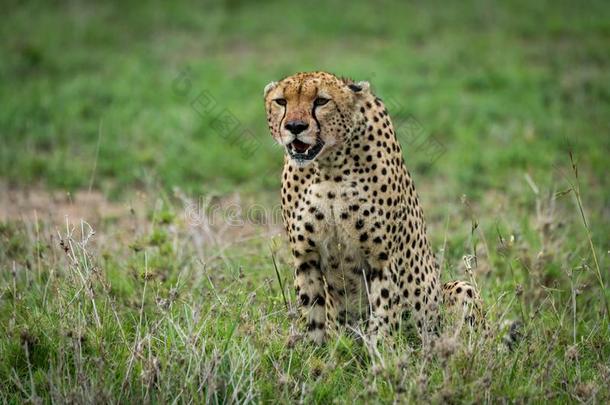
[462, 297]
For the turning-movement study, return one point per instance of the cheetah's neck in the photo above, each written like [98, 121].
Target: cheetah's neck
[333, 165]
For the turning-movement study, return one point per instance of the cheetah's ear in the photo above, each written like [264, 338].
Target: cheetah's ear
[360, 87]
[269, 87]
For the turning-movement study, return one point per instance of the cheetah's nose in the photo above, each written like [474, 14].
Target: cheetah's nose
[296, 127]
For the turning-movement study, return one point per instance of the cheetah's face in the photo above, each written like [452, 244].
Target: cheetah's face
[310, 114]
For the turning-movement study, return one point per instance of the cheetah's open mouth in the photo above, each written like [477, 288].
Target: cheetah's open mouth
[302, 151]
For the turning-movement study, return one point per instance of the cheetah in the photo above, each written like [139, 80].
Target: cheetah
[354, 221]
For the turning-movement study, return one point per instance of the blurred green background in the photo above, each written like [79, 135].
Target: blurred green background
[507, 88]
[123, 97]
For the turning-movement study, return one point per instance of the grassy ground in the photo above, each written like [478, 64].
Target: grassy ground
[110, 115]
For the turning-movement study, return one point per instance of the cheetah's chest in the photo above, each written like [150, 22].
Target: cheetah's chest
[344, 264]
[327, 202]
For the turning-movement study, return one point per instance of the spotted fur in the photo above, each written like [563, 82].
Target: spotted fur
[355, 224]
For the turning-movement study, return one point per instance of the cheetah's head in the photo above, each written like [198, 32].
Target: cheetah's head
[310, 114]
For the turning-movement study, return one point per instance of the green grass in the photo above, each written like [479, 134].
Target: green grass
[93, 95]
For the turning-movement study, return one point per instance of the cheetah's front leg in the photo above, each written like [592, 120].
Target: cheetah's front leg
[384, 301]
[311, 296]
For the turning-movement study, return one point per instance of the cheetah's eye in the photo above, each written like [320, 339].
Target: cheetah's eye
[320, 101]
[280, 101]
